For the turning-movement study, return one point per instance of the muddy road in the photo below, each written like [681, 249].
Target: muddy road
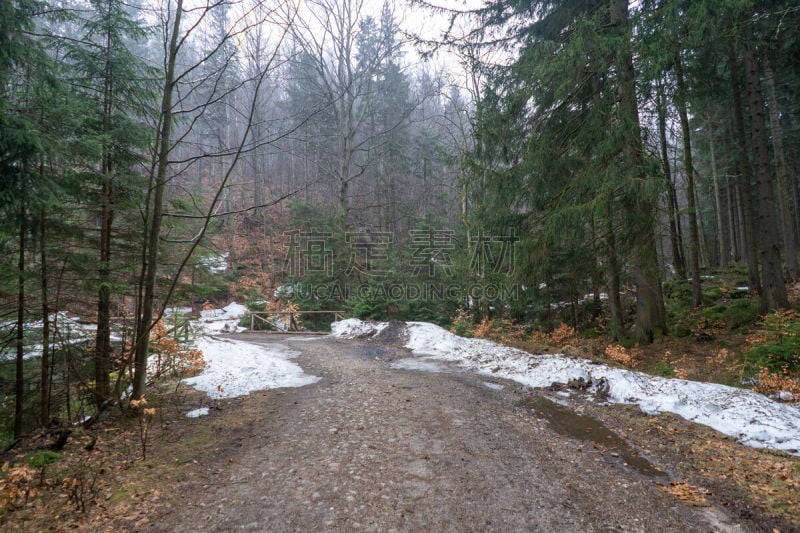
[375, 448]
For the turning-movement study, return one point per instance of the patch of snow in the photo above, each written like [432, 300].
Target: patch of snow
[82, 420]
[287, 291]
[352, 328]
[172, 311]
[752, 418]
[65, 330]
[783, 396]
[225, 320]
[493, 386]
[216, 264]
[235, 310]
[235, 368]
[202, 411]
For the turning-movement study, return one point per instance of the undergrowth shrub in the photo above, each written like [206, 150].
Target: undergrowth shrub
[558, 336]
[171, 356]
[462, 323]
[500, 330]
[741, 313]
[83, 483]
[41, 460]
[775, 345]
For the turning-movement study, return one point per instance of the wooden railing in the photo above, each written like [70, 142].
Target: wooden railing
[265, 318]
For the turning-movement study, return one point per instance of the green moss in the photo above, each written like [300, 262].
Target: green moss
[716, 312]
[662, 368]
[711, 295]
[43, 458]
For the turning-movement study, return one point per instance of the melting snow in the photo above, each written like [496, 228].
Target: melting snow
[70, 330]
[753, 419]
[235, 368]
[202, 411]
[216, 264]
[353, 328]
[225, 320]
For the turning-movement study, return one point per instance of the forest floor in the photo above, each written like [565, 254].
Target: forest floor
[371, 447]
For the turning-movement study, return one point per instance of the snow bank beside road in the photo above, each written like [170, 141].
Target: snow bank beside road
[353, 328]
[236, 368]
[753, 419]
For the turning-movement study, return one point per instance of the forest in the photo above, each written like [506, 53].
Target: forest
[593, 164]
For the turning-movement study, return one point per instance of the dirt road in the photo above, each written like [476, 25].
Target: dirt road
[374, 448]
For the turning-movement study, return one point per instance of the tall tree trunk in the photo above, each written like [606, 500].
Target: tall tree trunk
[650, 315]
[743, 234]
[345, 160]
[463, 191]
[44, 390]
[774, 288]
[780, 170]
[614, 284]
[704, 261]
[675, 243]
[745, 187]
[722, 234]
[730, 214]
[694, 234]
[732, 211]
[19, 383]
[102, 355]
[102, 359]
[145, 323]
[795, 192]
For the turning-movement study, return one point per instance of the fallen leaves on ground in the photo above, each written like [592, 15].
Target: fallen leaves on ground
[686, 493]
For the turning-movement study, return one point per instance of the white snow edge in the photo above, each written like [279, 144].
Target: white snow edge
[751, 418]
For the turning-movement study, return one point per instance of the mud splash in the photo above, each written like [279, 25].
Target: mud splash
[566, 422]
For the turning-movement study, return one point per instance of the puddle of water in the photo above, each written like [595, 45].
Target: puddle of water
[415, 363]
[590, 430]
[372, 351]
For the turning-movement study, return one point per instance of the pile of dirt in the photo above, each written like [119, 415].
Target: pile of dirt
[395, 334]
